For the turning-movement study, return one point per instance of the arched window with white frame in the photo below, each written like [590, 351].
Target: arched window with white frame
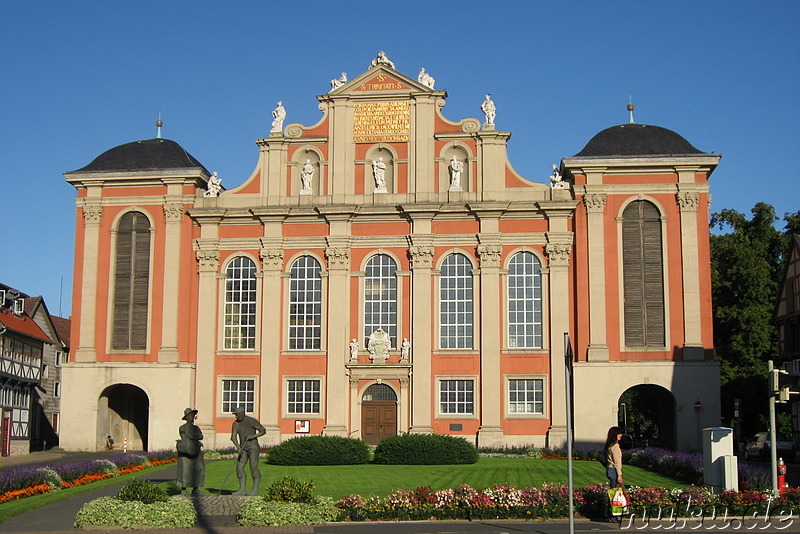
[380, 297]
[524, 301]
[305, 304]
[240, 304]
[456, 307]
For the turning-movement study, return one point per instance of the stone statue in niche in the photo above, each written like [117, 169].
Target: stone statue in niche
[278, 115]
[338, 82]
[379, 345]
[354, 350]
[306, 177]
[425, 79]
[381, 60]
[379, 173]
[489, 110]
[455, 167]
[214, 186]
[405, 349]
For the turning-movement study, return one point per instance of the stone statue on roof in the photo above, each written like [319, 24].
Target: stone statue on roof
[381, 60]
[278, 114]
[489, 110]
[214, 186]
[425, 79]
[338, 82]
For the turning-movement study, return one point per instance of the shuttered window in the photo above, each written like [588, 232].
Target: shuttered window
[131, 283]
[643, 275]
[305, 305]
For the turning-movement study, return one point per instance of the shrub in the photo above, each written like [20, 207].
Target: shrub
[258, 512]
[289, 489]
[320, 450]
[143, 491]
[108, 511]
[425, 449]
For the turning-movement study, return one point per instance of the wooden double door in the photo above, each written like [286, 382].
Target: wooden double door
[378, 420]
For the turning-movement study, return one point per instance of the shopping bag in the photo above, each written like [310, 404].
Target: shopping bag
[618, 500]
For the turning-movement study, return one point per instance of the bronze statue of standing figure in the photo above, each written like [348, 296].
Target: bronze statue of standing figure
[244, 434]
[191, 469]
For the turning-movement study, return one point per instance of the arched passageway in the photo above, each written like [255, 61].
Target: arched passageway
[123, 412]
[647, 414]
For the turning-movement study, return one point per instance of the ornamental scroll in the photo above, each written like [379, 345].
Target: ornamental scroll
[375, 122]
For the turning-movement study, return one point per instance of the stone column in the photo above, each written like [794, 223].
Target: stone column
[270, 384]
[92, 213]
[490, 432]
[421, 321]
[405, 398]
[338, 306]
[558, 256]
[354, 409]
[595, 238]
[207, 321]
[173, 213]
[693, 341]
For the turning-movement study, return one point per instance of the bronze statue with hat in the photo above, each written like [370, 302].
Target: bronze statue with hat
[191, 469]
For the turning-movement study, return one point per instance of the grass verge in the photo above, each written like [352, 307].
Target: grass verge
[12, 508]
[372, 479]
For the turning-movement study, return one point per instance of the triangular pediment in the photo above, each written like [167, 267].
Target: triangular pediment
[381, 80]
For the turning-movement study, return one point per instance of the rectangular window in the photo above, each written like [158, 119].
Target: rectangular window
[57, 389]
[59, 358]
[303, 396]
[238, 393]
[457, 397]
[526, 396]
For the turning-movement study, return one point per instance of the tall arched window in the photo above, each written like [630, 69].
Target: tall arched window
[380, 297]
[131, 283]
[455, 301]
[240, 304]
[524, 301]
[305, 304]
[643, 278]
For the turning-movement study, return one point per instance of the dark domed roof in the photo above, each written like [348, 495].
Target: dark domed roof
[637, 140]
[149, 154]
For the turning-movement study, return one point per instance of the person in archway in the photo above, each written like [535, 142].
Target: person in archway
[613, 456]
[191, 469]
[244, 434]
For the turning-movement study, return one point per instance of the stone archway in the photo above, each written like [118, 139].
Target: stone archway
[123, 411]
[648, 411]
[378, 413]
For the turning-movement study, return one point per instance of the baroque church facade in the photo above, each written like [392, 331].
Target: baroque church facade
[386, 270]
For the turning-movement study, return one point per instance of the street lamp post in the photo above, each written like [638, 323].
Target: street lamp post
[624, 417]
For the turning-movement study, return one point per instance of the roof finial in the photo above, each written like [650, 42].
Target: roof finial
[158, 125]
[630, 108]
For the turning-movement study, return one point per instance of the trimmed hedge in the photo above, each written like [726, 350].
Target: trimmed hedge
[320, 450]
[425, 449]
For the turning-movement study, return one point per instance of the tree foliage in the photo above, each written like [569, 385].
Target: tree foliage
[747, 265]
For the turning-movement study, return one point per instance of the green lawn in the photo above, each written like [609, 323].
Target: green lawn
[380, 480]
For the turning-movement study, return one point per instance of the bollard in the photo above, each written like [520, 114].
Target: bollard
[782, 485]
[125, 445]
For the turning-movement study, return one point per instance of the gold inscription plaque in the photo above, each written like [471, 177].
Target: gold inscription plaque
[380, 121]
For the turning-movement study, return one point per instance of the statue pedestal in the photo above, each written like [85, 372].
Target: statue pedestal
[306, 192]
[489, 127]
[380, 190]
[455, 189]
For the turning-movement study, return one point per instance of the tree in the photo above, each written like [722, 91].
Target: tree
[746, 269]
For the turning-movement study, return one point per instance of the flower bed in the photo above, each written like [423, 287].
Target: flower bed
[549, 502]
[26, 480]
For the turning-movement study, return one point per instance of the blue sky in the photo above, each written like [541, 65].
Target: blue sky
[78, 78]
